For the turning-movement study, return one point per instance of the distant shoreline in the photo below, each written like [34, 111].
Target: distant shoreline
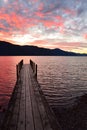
[8, 49]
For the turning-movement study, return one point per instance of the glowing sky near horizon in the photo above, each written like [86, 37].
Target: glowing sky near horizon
[45, 23]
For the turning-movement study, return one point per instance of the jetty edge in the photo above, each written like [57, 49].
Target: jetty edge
[28, 108]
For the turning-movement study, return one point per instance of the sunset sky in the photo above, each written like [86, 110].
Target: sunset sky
[45, 23]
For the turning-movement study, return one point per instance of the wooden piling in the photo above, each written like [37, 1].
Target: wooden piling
[34, 68]
[18, 68]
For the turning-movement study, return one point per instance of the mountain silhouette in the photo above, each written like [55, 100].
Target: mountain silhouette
[8, 49]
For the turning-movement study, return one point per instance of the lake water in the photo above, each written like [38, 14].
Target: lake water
[62, 79]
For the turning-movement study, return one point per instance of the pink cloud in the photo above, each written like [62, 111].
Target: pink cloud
[41, 6]
[58, 17]
[15, 21]
[85, 36]
[39, 14]
[69, 11]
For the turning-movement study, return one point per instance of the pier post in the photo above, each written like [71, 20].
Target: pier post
[34, 68]
[18, 68]
[17, 71]
[36, 71]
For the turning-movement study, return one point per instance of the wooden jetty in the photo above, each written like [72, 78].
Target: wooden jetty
[28, 108]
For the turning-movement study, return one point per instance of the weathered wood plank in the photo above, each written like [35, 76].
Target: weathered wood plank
[14, 119]
[10, 121]
[45, 121]
[36, 114]
[15, 114]
[21, 118]
[49, 113]
[43, 115]
[29, 115]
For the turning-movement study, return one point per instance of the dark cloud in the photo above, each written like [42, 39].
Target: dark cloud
[80, 11]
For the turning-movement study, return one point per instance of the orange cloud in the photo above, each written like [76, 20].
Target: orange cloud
[40, 43]
[65, 45]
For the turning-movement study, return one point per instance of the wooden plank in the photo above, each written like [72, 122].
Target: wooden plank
[10, 120]
[49, 113]
[21, 118]
[15, 114]
[14, 118]
[29, 115]
[44, 118]
[36, 115]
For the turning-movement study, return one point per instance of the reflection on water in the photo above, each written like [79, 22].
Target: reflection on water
[8, 77]
[61, 78]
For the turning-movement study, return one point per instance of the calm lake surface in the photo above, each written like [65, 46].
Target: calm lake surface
[62, 79]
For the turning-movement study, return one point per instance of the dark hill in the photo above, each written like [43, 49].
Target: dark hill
[7, 49]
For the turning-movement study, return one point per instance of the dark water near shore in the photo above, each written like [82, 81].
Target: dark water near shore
[62, 79]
